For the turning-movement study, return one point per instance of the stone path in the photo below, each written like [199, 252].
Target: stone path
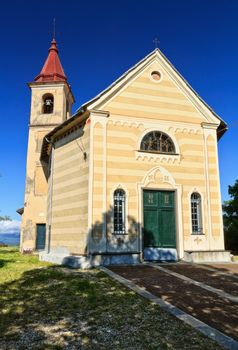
[206, 305]
[226, 282]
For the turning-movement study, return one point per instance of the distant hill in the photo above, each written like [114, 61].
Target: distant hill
[10, 238]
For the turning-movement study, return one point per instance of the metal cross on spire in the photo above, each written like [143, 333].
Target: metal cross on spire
[54, 28]
[156, 42]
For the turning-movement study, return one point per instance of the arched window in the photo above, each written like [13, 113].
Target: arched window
[119, 215]
[196, 213]
[48, 104]
[157, 141]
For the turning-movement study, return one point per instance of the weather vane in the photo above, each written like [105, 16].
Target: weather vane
[156, 42]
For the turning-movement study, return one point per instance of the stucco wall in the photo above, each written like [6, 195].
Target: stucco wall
[68, 206]
[35, 210]
[35, 190]
[144, 105]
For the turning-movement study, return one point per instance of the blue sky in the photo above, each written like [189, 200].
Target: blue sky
[98, 41]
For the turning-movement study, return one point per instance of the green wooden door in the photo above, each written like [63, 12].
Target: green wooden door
[40, 236]
[159, 219]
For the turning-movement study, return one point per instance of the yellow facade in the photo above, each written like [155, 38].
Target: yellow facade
[35, 208]
[102, 154]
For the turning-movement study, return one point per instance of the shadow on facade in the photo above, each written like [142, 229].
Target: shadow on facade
[105, 247]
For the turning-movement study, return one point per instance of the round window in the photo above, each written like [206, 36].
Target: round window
[155, 75]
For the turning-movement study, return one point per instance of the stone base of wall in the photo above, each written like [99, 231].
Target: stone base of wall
[160, 254]
[86, 262]
[207, 256]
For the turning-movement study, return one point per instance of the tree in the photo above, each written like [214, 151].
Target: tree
[230, 217]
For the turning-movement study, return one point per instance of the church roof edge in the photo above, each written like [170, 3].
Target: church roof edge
[222, 127]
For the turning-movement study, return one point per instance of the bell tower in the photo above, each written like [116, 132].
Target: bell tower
[51, 101]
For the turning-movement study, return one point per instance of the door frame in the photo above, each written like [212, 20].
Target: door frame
[175, 214]
[169, 184]
[39, 223]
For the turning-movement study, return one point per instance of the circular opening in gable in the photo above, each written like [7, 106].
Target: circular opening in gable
[155, 75]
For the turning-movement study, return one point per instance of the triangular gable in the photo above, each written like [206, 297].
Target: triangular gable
[121, 83]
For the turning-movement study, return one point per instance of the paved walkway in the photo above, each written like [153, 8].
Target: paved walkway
[200, 291]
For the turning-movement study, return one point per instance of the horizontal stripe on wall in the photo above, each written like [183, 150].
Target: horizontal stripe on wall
[74, 218]
[153, 103]
[65, 224]
[68, 212]
[72, 165]
[145, 79]
[75, 150]
[62, 152]
[152, 91]
[81, 181]
[69, 175]
[71, 187]
[140, 173]
[74, 246]
[122, 135]
[75, 192]
[127, 180]
[71, 230]
[194, 163]
[165, 111]
[82, 206]
[157, 97]
[157, 87]
[155, 115]
[145, 167]
[72, 199]
[73, 157]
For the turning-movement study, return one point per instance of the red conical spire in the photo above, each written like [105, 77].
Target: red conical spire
[52, 69]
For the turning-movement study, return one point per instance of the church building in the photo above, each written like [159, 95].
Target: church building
[133, 175]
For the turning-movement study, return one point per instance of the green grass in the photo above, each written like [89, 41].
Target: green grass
[48, 307]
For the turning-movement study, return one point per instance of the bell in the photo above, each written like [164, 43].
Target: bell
[48, 102]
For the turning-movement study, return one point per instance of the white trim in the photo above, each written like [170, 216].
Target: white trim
[104, 199]
[119, 186]
[90, 180]
[163, 129]
[144, 155]
[108, 94]
[219, 197]
[214, 241]
[153, 124]
[206, 133]
[157, 71]
[47, 86]
[197, 190]
[100, 117]
[112, 95]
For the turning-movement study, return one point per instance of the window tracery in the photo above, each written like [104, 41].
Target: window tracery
[157, 141]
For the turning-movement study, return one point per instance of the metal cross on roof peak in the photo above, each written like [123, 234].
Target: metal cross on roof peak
[156, 42]
[54, 28]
